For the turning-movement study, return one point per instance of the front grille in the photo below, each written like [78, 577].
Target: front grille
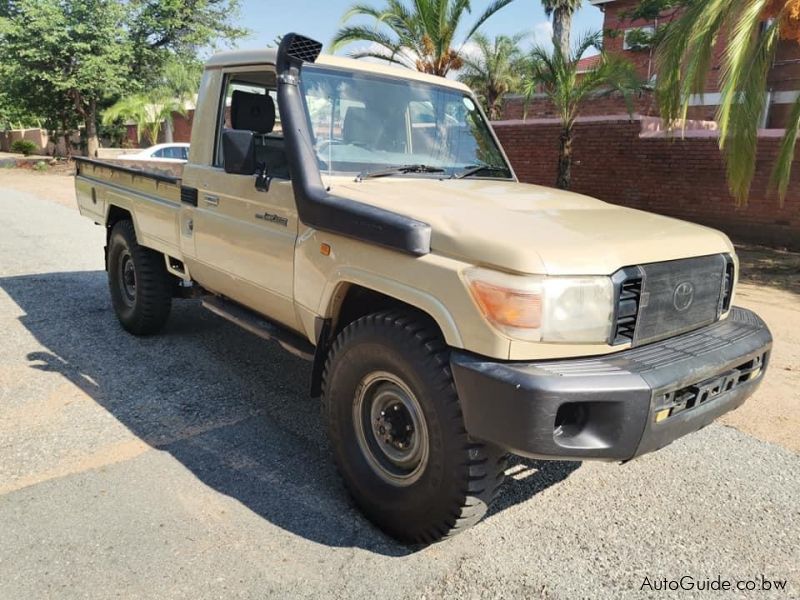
[629, 290]
[730, 276]
[660, 300]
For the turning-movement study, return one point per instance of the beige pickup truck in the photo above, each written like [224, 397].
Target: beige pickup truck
[366, 219]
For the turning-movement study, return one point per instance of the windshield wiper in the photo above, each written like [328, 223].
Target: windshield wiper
[399, 170]
[474, 170]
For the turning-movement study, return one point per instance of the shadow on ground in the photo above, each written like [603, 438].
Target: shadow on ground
[230, 407]
[771, 267]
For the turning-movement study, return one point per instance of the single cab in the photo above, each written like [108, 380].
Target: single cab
[367, 219]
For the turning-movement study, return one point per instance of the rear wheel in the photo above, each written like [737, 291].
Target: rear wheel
[397, 431]
[141, 288]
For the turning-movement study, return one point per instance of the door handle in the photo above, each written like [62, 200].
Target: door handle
[211, 200]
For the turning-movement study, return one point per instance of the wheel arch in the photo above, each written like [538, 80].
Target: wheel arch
[114, 215]
[350, 299]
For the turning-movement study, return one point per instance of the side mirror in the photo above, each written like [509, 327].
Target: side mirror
[239, 151]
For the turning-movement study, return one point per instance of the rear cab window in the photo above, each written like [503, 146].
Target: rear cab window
[242, 87]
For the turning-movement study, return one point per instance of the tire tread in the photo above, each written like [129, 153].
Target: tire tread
[485, 464]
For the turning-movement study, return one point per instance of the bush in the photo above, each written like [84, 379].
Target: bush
[24, 147]
[40, 166]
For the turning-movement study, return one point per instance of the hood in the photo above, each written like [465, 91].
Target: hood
[533, 229]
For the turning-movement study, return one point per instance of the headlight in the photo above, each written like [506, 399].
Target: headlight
[547, 309]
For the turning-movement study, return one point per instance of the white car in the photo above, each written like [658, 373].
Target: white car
[161, 152]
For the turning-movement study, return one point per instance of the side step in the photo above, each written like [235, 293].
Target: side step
[262, 327]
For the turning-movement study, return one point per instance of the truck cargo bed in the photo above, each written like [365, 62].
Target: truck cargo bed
[155, 194]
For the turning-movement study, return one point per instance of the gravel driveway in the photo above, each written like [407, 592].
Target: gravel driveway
[194, 465]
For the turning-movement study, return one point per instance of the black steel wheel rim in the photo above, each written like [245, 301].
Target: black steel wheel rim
[391, 429]
[127, 278]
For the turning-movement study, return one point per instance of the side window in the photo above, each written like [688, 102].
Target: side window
[337, 123]
[245, 87]
[159, 153]
[176, 153]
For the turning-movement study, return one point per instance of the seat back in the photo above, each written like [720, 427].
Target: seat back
[256, 113]
[360, 127]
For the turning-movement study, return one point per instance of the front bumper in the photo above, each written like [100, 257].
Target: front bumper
[614, 407]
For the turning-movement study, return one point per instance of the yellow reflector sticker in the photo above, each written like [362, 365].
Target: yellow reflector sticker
[662, 414]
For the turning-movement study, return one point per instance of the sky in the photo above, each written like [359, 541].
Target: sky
[320, 19]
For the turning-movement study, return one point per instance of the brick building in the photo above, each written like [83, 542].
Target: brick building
[618, 38]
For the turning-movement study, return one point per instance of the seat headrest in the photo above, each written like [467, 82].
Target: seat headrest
[358, 127]
[252, 112]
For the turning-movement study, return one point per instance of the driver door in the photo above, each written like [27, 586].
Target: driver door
[245, 238]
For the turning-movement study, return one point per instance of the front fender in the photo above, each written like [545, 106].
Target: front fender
[426, 302]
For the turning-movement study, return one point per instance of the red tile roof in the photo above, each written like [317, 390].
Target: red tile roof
[585, 64]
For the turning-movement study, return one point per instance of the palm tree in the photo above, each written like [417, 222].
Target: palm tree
[176, 87]
[420, 36]
[179, 81]
[684, 56]
[491, 72]
[147, 112]
[562, 12]
[556, 75]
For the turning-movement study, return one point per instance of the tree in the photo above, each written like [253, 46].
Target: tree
[66, 51]
[562, 12]
[162, 30]
[556, 75]
[62, 61]
[650, 10]
[658, 12]
[421, 36]
[491, 72]
[752, 29]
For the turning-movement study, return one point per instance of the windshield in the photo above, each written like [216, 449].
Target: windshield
[364, 123]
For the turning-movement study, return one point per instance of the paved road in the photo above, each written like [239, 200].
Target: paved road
[193, 465]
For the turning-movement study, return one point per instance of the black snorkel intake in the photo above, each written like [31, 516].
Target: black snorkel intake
[315, 206]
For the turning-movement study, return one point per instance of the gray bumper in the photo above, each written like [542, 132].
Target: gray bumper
[619, 406]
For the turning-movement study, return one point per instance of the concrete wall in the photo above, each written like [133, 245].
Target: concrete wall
[684, 178]
[37, 136]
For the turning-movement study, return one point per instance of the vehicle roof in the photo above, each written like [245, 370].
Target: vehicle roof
[165, 145]
[268, 56]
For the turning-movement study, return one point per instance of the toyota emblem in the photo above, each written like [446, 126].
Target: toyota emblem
[683, 296]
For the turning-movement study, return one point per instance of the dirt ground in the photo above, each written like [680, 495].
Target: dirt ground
[56, 186]
[769, 285]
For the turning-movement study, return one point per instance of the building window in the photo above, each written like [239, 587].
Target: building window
[638, 38]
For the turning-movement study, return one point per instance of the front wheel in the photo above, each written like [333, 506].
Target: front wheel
[397, 432]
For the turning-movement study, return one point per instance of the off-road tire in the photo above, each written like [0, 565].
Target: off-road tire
[144, 311]
[462, 475]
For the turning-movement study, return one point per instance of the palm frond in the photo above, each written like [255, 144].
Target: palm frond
[684, 59]
[742, 105]
[490, 11]
[393, 58]
[363, 10]
[782, 172]
[361, 33]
